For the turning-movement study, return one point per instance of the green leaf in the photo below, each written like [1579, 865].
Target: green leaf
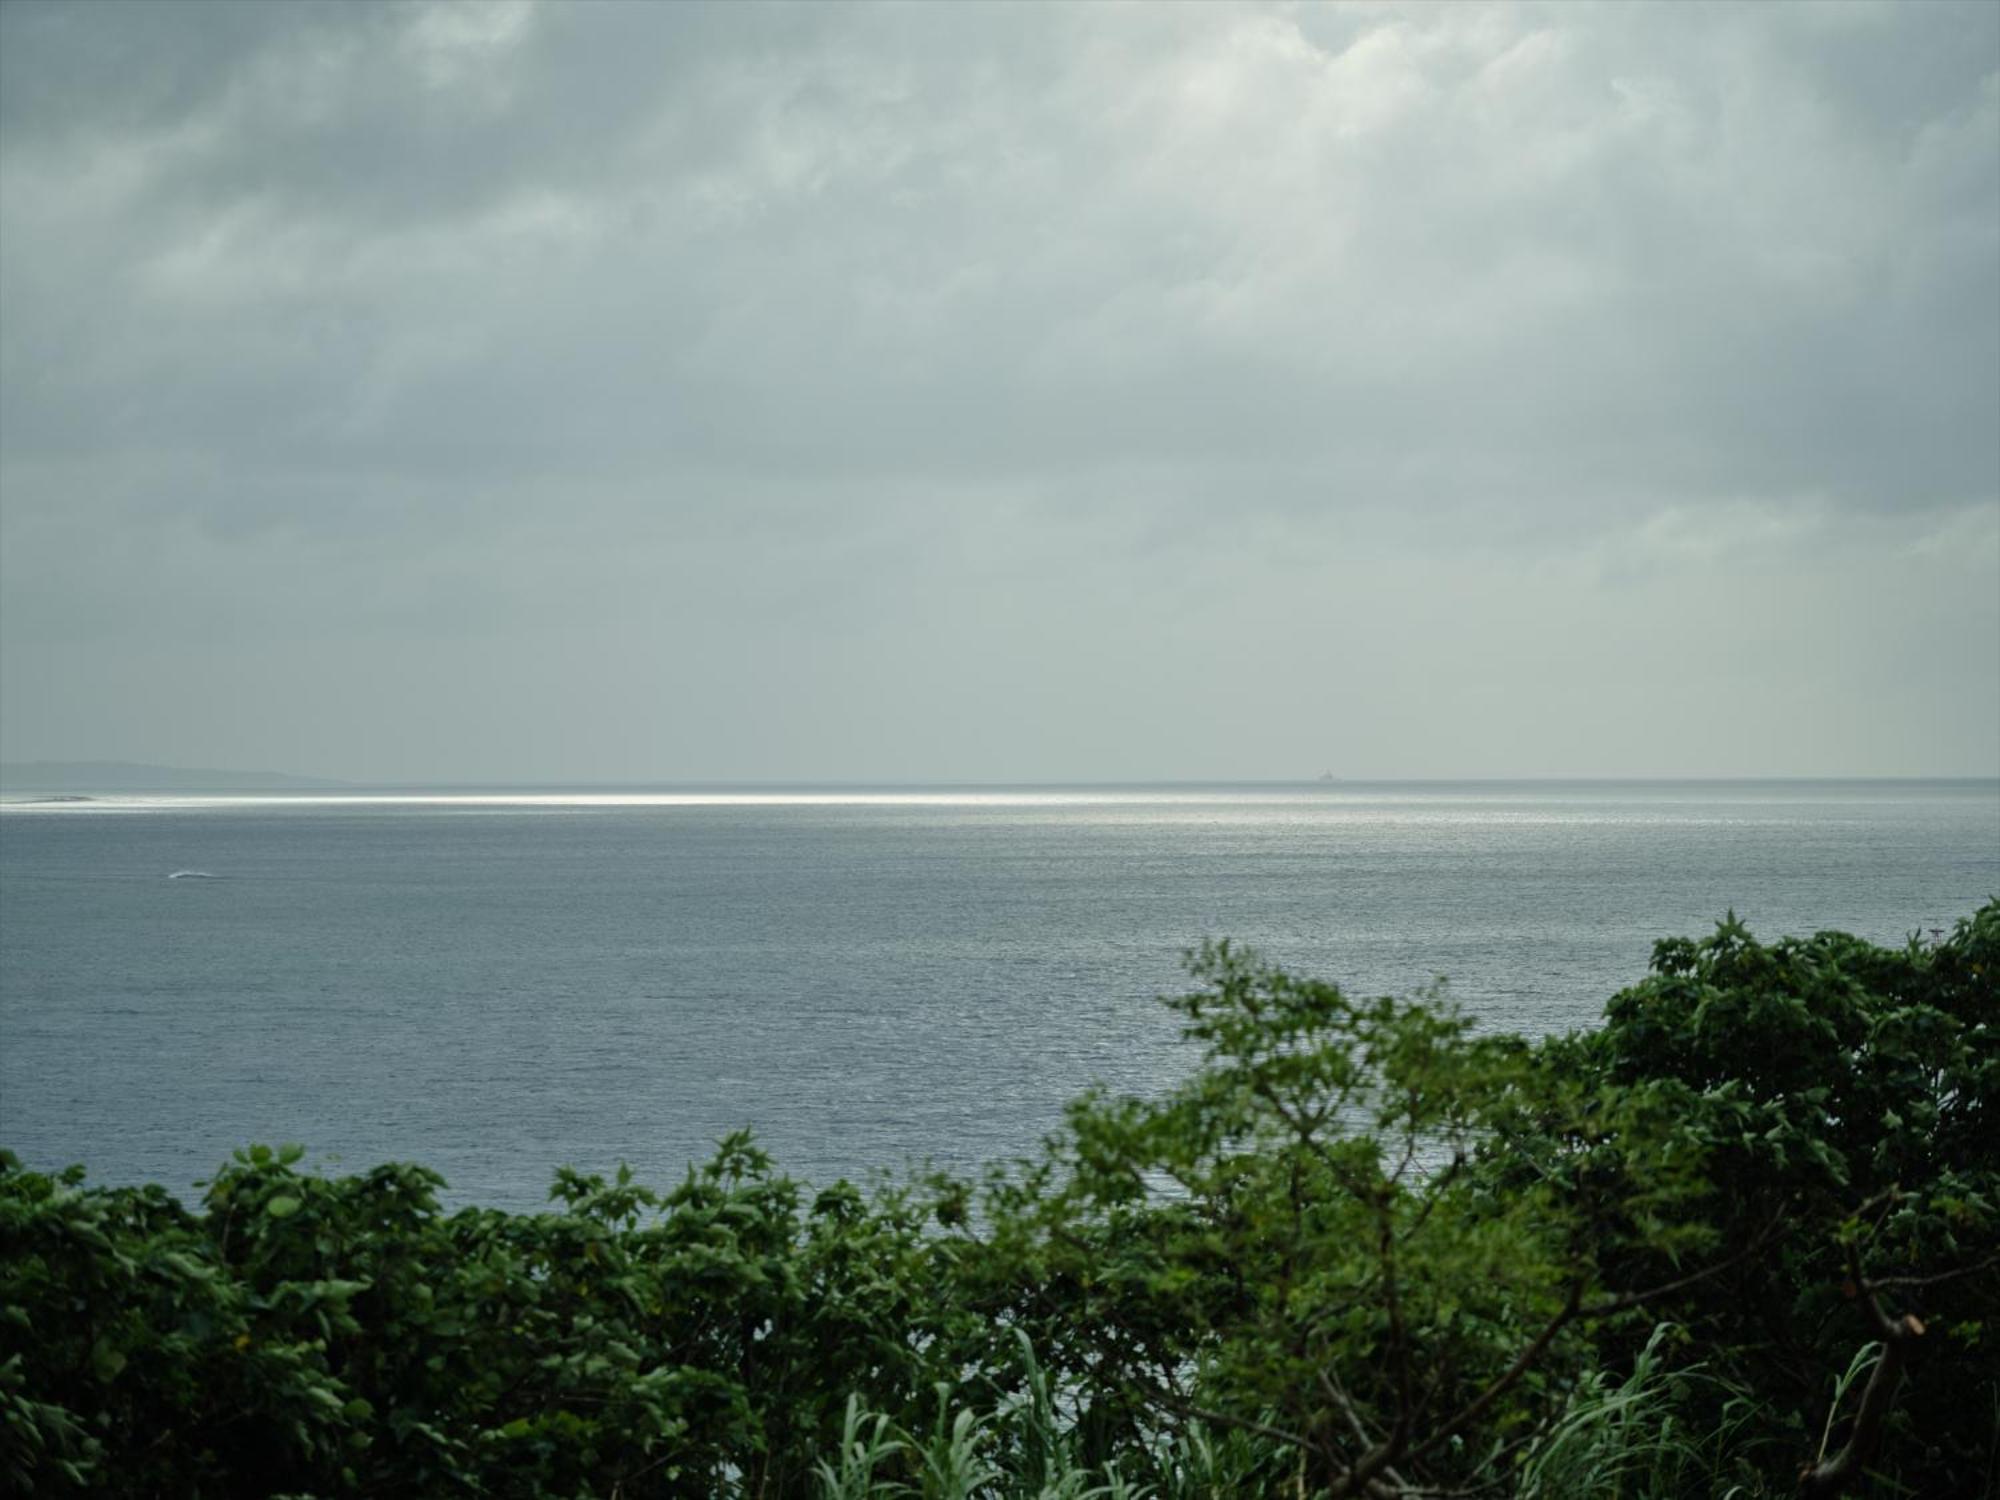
[282, 1207]
[106, 1360]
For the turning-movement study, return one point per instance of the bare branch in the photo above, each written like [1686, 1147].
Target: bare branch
[1476, 1408]
[1899, 1337]
[1635, 1299]
[1940, 1278]
[1183, 1408]
[1342, 1400]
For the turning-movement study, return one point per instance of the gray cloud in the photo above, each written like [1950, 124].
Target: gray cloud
[685, 390]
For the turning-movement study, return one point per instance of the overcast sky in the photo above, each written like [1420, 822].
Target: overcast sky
[617, 391]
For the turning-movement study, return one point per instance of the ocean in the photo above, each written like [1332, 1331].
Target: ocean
[497, 983]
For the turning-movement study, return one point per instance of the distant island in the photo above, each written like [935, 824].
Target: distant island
[74, 777]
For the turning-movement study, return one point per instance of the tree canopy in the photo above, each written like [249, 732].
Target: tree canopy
[1742, 1237]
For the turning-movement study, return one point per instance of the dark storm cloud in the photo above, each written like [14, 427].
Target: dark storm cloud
[647, 342]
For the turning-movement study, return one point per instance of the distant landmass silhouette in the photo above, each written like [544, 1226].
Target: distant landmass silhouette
[86, 776]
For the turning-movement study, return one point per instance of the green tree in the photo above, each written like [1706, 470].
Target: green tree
[1741, 1237]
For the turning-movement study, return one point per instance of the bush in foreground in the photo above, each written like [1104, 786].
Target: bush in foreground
[1742, 1238]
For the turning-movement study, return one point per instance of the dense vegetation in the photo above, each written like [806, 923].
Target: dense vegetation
[1742, 1238]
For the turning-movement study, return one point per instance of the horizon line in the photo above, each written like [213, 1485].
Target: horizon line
[1317, 778]
[307, 784]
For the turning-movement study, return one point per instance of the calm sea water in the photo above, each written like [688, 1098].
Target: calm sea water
[497, 984]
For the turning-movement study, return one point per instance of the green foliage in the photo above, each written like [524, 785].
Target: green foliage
[1364, 1248]
[1639, 1438]
[1846, 1101]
